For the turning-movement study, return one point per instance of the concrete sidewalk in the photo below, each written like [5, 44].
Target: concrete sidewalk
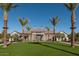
[69, 43]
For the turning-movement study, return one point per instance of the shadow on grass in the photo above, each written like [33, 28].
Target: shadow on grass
[54, 48]
[34, 42]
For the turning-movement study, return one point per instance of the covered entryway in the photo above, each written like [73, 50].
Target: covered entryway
[39, 36]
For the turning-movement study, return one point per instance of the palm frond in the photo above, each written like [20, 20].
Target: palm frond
[14, 5]
[23, 22]
[75, 5]
[51, 20]
[54, 20]
[71, 6]
[68, 6]
[7, 6]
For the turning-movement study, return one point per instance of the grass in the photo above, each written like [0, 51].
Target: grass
[39, 49]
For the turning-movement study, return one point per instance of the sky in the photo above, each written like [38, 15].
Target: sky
[38, 16]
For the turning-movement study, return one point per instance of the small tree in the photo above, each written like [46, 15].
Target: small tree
[77, 36]
[23, 22]
[28, 28]
[48, 29]
[15, 37]
[54, 21]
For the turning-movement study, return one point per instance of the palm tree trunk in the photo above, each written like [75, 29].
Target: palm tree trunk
[5, 29]
[48, 35]
[22, 29]
[54, 33]
[73, 28]
[23, 39]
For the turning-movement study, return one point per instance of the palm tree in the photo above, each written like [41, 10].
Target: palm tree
[28, 28]
[72, 7]
[23, 23]
[48, 29]
[6, 7]
[54, 21]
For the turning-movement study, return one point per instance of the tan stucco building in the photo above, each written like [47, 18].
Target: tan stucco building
[43, 35]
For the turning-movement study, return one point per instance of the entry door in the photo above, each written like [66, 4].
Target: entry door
[39, 37]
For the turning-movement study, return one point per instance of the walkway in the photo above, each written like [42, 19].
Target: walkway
[69, 43]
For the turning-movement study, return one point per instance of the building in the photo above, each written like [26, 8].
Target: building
[42, 35]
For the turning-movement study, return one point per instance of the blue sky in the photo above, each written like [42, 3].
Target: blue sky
[38, 15]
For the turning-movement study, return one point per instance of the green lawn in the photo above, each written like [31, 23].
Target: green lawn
[39, 49]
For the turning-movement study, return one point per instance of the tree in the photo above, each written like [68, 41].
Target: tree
[15, 37]
[54, 21]
[48, 29]
[6, 7]
[28, 28]
[77, 36]
[72, 7]
[23, 23]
